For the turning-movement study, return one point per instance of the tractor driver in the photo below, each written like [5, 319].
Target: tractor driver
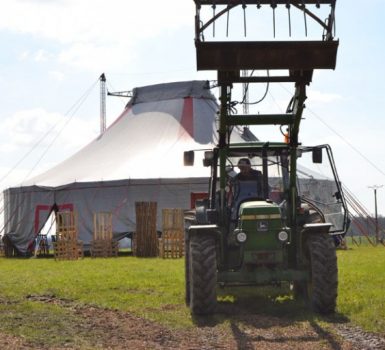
[246, 184]
[247, 173]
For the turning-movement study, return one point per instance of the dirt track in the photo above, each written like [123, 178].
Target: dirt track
[111, 329]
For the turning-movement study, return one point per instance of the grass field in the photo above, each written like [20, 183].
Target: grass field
[142, 286]
[154, 289]
[362, 286]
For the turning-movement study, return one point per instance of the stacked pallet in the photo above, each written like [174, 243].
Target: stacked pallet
[67, 246]
[145, 239]
[171, 245]
[102, 244]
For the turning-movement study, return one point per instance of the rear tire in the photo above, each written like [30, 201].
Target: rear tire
[203, 275]
[323, 284]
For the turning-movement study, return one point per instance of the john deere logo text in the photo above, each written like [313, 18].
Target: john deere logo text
[262, 226]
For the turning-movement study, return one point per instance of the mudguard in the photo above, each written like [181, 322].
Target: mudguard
[319, 228]
[204, 230]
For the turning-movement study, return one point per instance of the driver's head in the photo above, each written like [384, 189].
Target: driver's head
[244, 165]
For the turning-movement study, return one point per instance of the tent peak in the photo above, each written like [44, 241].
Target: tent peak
[171, 91]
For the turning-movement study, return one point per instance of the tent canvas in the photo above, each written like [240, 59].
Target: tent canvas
[138, 158]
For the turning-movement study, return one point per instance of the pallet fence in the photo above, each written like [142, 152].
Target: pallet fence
[171, 244]
[102, 244]
[145, 239]
[67, 246]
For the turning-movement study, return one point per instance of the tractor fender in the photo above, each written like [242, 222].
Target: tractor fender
[201, 211]
[205, 215]
[316, 228]
[312, 229]
[204, 230]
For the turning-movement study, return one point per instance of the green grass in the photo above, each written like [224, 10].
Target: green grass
[141, 286]
[361, 286]
[361, 241]
[43, 324]
[154, 289]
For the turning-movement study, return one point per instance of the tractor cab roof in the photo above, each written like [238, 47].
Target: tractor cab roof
[256, 148]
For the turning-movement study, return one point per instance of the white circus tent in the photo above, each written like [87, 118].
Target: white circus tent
[138, 158]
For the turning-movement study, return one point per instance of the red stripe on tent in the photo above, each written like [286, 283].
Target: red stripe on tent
[187, 120]
[43, 207]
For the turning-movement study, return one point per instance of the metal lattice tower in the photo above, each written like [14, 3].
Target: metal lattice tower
[245, 94]
[102, 103]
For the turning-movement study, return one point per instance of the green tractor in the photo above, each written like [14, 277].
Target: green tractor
[248, 237]
[277, 223]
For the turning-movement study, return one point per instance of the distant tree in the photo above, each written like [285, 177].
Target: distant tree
[366, 226]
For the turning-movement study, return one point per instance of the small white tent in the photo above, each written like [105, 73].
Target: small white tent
[138, 158]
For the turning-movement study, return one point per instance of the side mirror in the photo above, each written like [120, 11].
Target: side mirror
[337, 195]
[188, 158]
[317, 155]
[208, 159]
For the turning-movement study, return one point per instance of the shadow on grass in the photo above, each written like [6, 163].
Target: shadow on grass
[254, 312]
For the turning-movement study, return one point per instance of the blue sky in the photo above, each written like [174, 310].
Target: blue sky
[54, 51]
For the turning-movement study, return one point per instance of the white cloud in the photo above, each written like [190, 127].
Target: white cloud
[23, 56]
[40, 128]
[56, 75]
[42, 56]
[97, 58]
[7, 148]
[14, 178]
[24, 126]
[46, 138]
[39, 56]
[94, 33]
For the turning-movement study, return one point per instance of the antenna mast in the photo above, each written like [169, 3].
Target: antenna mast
[245, 89]
[102, 103]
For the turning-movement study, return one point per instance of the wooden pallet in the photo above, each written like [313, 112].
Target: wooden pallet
[145, 239]
[68, 249]
[66, 225]
[103, 226]
[171, 245]
[104, 248]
